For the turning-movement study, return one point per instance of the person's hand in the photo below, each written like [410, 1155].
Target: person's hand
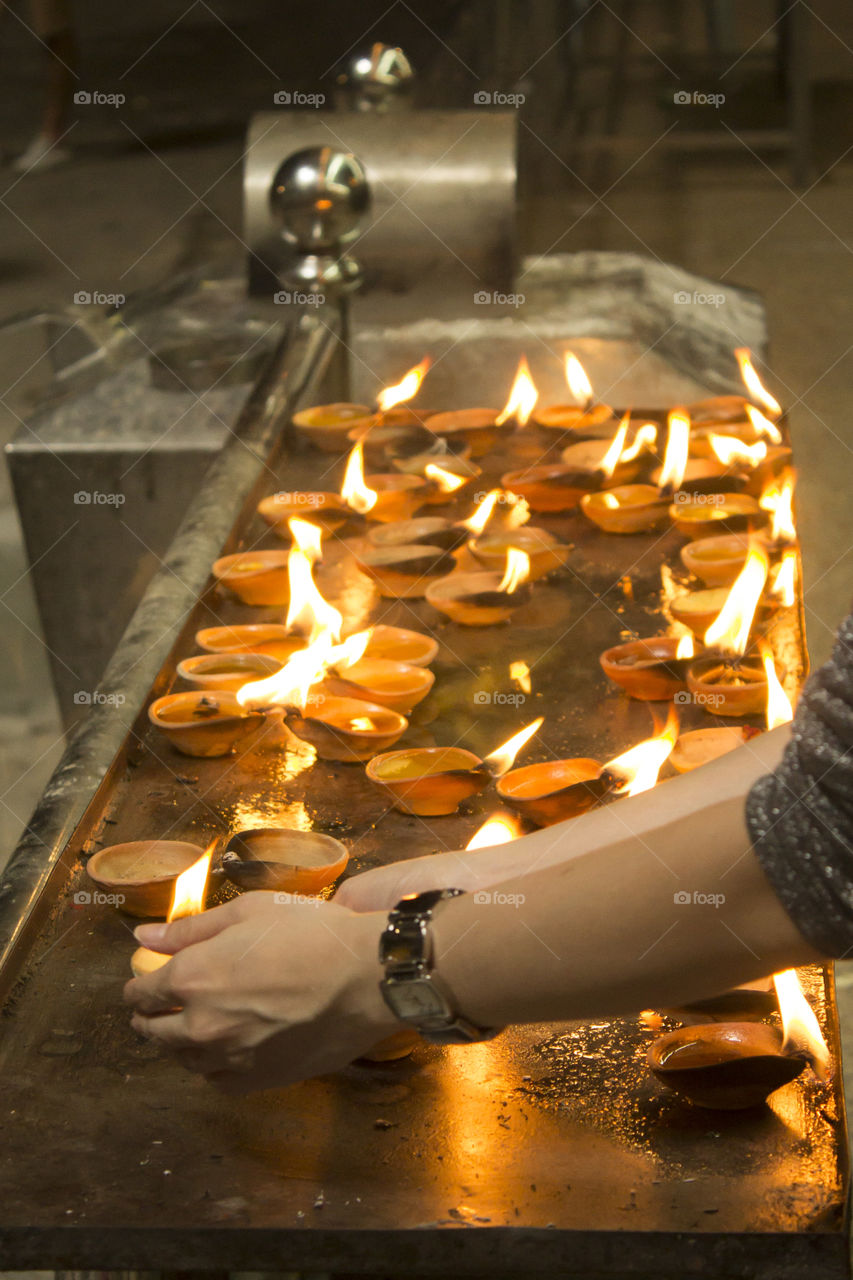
[262, 993]
[383, 887]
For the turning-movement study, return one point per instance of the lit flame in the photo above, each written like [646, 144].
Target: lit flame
[784, 583]
[802, 1034]
[516, 572]
[479, 518]
[405, 388]
[730, 629]
[642, 764]
[763, 426]
[731, 451]
[579, 384]
[610, 500]
[516, 512]
[522, 397]
[778, 500]
[497, 830]
[446, 480]
[685, 647]
[503, 757]
[520, 673]
[290, 687]
[306, 537]
[354, 491]
[308, 612]
[779, 709]
[188, 895]
[753, 383]
[677, 449]
[644, 439]
[607, 465]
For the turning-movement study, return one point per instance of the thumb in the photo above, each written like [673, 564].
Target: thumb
[169, 938]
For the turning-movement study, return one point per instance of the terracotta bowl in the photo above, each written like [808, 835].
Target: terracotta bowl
[707, 681]
[725, 1066]
[142, 873]
[255, 577]
[701, 746]
[436, 531]
[302, 862]
[269, 638]
[346, 729]
[428, 781]
[382, 680]
[227, 670]
[203, 723]
[705, 475]
[327, 426]
[399, 496]
[544, 551]
[401, 645]
[572, 417]
[555, 790]
[473, 599]
[396, 430]
[718, 409]
[404, 572]
[698, 609]
[476, 426]
[588, 455]
[463, 469]
[638, 508]
[327, 510]
[704, 515]
[717, 561]
[550, 487]
[647, 669]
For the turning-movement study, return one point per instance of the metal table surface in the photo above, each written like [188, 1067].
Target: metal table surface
[550, 1148]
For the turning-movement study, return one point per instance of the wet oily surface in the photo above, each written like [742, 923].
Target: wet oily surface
[561, 1128]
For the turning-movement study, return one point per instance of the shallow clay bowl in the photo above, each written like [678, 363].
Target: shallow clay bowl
[227, 670]
[476, 426]
[401, 645]
[717, 561]
[399, 496]
[255, 577]
[544, 551]
[725, 1066]
[464, 471]
[722, 699]
[282, 859]
[143, 873]
[334, 727]
[404, 572]
[647, 669]
[392, 432]
[698, 609]
[588, 455]
[328, 425]
[704, 515]
[473, 599]
[382, 680]
[269, 638]
[728, 409]
[555, 790]
[551, 487]
[328, 510]
[639, 508]
[701, 746]
[703, 475]
[203, 723]
[428, 781]
[434, 530]
[572, 417]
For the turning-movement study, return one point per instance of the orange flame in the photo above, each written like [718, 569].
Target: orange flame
[730, 629]
[308, 611]
[522, 397]
[499, 829]
[306, 537]
[188, 895]
[784, 583]
[404, 389]
[645, 438]
[479, 518]
[763, 426]
[685, 647]
[778, 499]
[516, 513]
[579, 384]
[519, 672]
[291, 686]
[800, 1027]
[354, 491]
[516, 572]
[677, 449]
[753, 383]
[732, 451]
[503, 757]
[607, 465]
[642, 764]
[446, 480]
[779, 709]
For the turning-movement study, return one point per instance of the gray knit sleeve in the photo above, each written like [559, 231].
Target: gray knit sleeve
[800, 817]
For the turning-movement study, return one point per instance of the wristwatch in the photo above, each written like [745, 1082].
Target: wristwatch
[409, 987]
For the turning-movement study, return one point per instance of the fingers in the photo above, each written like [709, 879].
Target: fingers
[170, 938]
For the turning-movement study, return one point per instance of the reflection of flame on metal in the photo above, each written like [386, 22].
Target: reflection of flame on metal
[520, 673]
[522, 397]
[503, 757]
[642, 764]
[188, 895]
[677, 449]
[645, 438]
[685, 647]
[354, 491]
[499, 829]
[753, 383]
[763, 426]
[733, 452]
[517, 570]
[579, 384]
[778, 499]
[800, 1027]
[729, 632]
[779, 709]
[785, 580]
[405, 388]
[446, 480]
[608, 463]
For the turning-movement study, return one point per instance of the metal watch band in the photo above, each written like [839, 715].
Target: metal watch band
[409, 987]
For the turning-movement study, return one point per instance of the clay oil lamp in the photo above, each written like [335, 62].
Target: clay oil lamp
[728, 410]
[777, 502]
[652, 670]
[203, 723]
[717, 561]
[270, 638]
[327, 425]
[226, 671]
[188, 898]
[701, 746]
[383, 497]
[383, 681]
[731, 1066]
[583, 415]
[405, 571]
[784, 586]
[543, 550]
[433, 781]
[401, 645]
[434, 531]
[702, 515]
[758, 393]
[549, 488]
[698, 609]
[627, 508]
[483, 599]
[298, 862]
[398, 429]
[756, 464]
[345, 729]
[140, 875]
[681, 475]
[327, 510]
[447, 479]
[477, 427]
[255, 577]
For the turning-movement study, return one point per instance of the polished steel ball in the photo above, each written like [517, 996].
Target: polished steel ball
[319, 196]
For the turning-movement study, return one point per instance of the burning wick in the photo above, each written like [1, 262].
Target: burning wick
[784, 583]
[446, 481]
[187, 900]
[732, 452]
[754, 385]
[519, 672]
[642, 764]
[522, 397]
[763, 426]
[517, 570]
[503, 757]
[407, 387]
[499, 829]
[801, 1032]
[779, 501]
[579, 384]
[677, 449]
[729, 632]
[779, 709]
[613, 456]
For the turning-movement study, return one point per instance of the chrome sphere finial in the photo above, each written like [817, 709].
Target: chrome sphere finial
[319, 197]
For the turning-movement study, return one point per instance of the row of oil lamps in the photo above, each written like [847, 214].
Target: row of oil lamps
[725, 472]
